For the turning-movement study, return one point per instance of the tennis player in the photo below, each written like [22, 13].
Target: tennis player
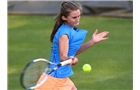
[67, 42]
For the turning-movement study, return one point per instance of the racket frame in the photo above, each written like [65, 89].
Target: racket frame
[66, 62]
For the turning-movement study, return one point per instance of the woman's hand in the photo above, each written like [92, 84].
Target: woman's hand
[74, 60]
[97, 37]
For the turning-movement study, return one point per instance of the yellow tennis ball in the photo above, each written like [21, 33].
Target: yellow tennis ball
[86, 68]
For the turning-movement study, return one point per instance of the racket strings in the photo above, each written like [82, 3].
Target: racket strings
[33, 72]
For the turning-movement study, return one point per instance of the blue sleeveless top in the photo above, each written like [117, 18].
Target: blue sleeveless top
[76, 38]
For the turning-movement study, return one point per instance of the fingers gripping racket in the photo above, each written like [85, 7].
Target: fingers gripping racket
[34, 69]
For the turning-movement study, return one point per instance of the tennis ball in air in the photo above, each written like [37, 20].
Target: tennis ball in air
[86, 68]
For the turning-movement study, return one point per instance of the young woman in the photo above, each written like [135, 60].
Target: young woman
[67, 42]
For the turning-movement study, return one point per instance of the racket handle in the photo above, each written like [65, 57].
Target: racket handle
[66, 62]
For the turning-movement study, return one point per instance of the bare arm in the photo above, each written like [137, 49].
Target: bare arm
[63, 49]
[95, 39]
[84, 47]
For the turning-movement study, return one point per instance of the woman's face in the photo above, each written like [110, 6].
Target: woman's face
[73, 19]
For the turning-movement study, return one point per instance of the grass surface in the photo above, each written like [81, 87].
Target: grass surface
[111, 60]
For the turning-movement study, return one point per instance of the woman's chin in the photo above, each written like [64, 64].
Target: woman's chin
[76, 25]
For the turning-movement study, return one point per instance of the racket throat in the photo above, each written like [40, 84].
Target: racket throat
[59, 65]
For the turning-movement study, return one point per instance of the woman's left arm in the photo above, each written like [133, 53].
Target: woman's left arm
[96, 37]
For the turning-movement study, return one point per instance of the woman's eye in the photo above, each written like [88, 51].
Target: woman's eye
[76, 17]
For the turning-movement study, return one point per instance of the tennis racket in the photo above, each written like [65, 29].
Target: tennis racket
[34, 69]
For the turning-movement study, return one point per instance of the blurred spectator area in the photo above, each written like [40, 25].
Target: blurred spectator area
[101, 8]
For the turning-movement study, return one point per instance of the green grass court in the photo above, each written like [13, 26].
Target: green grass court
[111, 60]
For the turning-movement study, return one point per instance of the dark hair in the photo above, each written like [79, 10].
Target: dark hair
[66, 8]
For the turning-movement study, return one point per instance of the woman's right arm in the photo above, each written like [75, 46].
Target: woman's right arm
[63, 49]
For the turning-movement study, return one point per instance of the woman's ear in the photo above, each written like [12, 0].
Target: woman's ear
[64, 18]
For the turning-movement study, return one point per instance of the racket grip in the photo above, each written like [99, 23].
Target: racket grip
[66, 62]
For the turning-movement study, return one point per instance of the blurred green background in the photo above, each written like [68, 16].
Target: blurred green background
[111, 60]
